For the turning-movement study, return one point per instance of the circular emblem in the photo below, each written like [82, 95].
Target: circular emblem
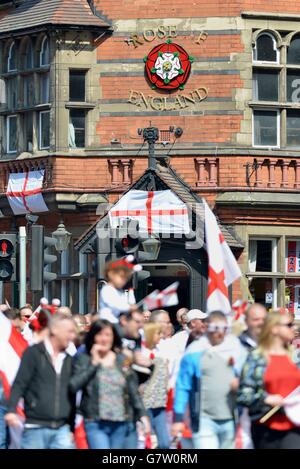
[168, 66]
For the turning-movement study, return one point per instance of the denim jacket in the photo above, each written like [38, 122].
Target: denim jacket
[252, 391]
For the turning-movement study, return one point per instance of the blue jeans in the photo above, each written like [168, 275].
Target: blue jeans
[104, 434]
[214, 434]
[159, 425]
[3, 429]
[47, 438]
[131, 439]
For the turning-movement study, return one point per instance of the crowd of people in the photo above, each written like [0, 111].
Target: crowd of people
[137, 379]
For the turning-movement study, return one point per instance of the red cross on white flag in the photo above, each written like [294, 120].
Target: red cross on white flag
[156, 211]
[162, 299]
[223, 268]
[24, 192]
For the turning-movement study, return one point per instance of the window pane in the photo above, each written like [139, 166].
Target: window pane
[265, 50]
[29, 56]
[265, 128]
[292, 295]
[263, 291]
[260, 256]
[293, 86]
[77, 85]
[265, 85]
[77, 128]
[45, 55]
[12, 93]
[28, 90]
[293, 52]
[44, 129]
[293, 128]
[28, 130]
[44, 88]
[12, 58]
[12, 134]
[292, 256]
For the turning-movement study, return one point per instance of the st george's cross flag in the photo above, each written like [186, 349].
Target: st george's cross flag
[12, 346]
[162, 299]
[223, 268]
[24, 192]
[156, 211]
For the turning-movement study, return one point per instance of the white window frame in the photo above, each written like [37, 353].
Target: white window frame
[13, 45]
[40, 130]
[278, 128]
[8, 132]
[45, 39]
[254, 61]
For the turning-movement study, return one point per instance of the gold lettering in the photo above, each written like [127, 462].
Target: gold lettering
[172, 31]
[133, 97]
[188, 98]
[165, 107]
[159, 105]
[202, 37]
[179, 103]
[161, 32]
[201, 93]
[144, 99]
[151, 37]
[136, 41]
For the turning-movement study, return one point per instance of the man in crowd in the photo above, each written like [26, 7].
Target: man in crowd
[255, 317]
[181, 319]
[208, 380]
[196, 322]
[43, 381]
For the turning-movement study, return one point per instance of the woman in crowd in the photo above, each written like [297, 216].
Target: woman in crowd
[110, 397]
[270, 374]
[154, 391]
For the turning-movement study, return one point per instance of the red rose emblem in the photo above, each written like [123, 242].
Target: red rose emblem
[168, 66]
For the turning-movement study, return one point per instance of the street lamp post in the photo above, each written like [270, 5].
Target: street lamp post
[62, 237]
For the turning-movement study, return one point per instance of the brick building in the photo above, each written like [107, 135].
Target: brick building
[75, 89]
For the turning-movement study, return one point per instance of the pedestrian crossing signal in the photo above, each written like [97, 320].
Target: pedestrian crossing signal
[8, 245]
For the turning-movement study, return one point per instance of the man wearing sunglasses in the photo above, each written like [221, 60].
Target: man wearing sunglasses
[208, 379]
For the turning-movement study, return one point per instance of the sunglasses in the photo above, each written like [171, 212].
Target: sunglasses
[217, 328]
[290, 325]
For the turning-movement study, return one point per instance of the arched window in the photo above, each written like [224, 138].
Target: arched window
[29, 57]
[12, 58]
[265, 49]
[293, 52]
[45, 53]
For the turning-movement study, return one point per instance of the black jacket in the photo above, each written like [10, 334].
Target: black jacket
[47, 399]
[85, 378]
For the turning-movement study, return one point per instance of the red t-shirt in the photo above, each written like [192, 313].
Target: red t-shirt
[281, 377]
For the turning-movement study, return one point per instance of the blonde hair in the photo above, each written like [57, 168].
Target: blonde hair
[150, 329]
[266, 336]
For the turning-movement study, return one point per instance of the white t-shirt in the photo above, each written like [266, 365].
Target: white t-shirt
[114, 300]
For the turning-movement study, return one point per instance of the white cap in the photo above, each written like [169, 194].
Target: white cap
[195, 314]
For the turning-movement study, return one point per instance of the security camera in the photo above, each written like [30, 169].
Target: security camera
[178, 132]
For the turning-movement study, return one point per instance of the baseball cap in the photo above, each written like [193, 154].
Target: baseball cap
[195, 314]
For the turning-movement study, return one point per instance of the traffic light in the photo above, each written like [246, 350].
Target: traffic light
[127, 240]
[8, 262]
[40, 260]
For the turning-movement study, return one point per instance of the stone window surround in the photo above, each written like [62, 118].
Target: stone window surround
[281, 234]
[282, 105]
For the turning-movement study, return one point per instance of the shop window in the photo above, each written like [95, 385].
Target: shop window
[77, 84]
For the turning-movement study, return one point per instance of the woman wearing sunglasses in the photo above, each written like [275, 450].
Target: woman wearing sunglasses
[271, 373]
